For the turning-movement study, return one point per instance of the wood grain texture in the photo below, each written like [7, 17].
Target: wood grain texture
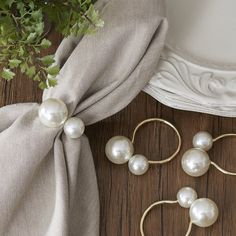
[123, 196]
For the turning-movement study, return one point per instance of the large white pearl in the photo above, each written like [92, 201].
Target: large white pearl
[203, 140]
[119, 149]
[74, 127]
[203, 212]
[53, 112]
[138, 164]
[186, 196]
[195, 162]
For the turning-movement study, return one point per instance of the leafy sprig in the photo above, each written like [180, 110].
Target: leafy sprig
[23, 34]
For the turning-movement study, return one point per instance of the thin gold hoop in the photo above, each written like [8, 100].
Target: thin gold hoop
[216, 165]
[170, 125]
[149, 209]
[154, 205]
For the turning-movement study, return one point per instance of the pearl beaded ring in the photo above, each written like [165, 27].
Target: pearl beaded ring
[196, 161]
[203, 212]
[120, 150]
[53, 113]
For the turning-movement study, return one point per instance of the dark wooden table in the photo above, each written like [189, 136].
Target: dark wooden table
[124, 196]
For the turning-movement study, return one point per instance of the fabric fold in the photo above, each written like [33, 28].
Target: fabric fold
[48, 181]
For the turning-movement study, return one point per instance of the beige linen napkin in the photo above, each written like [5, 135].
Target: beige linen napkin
[47, 180]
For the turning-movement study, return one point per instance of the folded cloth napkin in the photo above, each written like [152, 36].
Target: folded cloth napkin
[47, 180]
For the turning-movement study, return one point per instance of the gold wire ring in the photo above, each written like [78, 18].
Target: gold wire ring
[170, 125]
[157, 204]
[216, 165]
[149, 209]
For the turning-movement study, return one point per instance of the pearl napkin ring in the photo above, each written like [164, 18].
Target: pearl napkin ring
[53, 113]
[196, 161]
[120, 150]
[203, 212]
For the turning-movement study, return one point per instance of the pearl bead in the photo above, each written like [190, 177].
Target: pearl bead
[74, 127]
[119, 149]
[53, 113]
[203, 212]
[195, 162]
[138, 164]
[186, 196]
[203, 140]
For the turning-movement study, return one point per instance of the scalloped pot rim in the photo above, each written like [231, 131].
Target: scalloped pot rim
[181, 84]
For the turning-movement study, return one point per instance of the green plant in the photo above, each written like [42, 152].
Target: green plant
[23, 34]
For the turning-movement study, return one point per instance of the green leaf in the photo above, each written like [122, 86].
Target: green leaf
[21, 51]
[38, 28]
[31, 37]
[14, 63]
[45, 43]
[7, 74]
[36, 78]
[31, 5]
[37, 14]
[30, 72]
[53, 70]
[43, 85]
[99, 23]
[21, 8]
[23, 67]
[52, 82]
[94, 16]
[48, 60]
[9, 2]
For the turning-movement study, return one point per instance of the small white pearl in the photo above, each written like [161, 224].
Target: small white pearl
[74, 127]
[119, 149]
[203, 212]
[53, 112]
[138, 164]
[203, 140]
[195, 162]
[186, 196]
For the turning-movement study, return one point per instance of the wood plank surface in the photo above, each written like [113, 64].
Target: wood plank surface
[123, 196]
